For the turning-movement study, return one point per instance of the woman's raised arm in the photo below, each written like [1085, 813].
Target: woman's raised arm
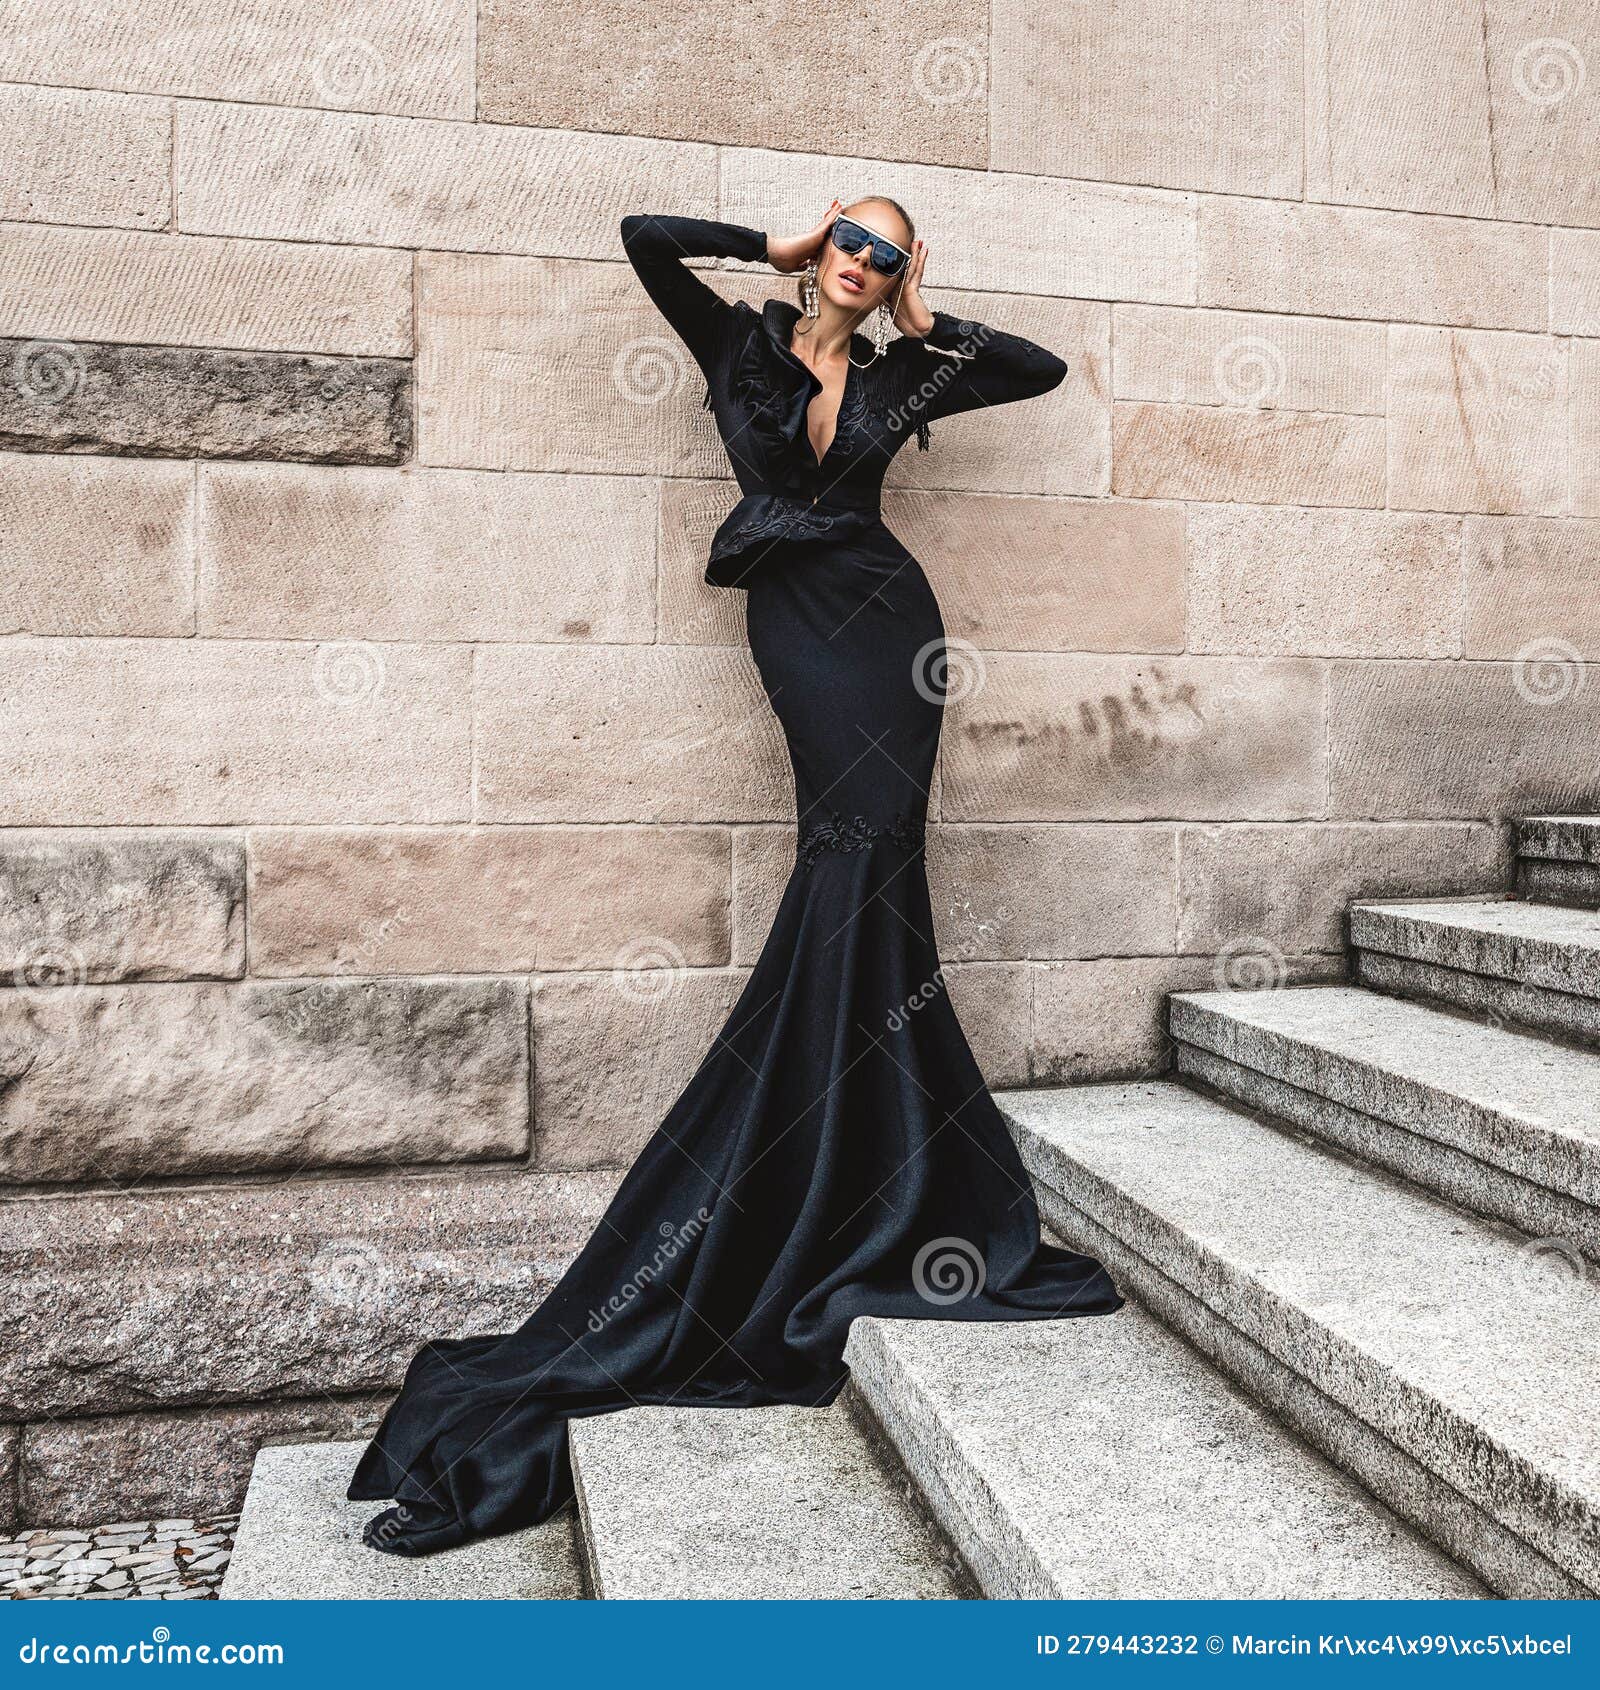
[961, 365]
[657, 247]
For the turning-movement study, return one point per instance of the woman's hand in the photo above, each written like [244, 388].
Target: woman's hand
[911, 315]
[789, 253]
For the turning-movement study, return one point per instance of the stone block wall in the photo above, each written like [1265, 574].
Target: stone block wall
[388, 811]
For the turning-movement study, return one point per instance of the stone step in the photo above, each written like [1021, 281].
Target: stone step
[1105, 1458]
[1534, 963]
[213, 1319]
[1498, 1120]
[1445, 1363]
[1558, 859]
[750, 1503]
[252, 1292]
[299, 1540]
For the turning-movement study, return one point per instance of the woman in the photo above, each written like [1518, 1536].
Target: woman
[837, 1153]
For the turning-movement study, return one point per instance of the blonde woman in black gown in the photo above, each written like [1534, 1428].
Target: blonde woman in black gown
[836, 1154]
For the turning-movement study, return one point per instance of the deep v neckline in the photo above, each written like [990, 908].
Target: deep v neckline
[819, 459]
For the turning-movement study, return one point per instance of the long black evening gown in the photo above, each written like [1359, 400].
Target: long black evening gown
[837, 1153]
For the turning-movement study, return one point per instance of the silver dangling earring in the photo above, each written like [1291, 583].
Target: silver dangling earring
[880, 331]
[808, 291]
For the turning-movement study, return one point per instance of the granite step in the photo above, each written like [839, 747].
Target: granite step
[1106, 1458]
[1499, 1120]
[1444, 1362]
[1558, 859]
[1538, 964]
[764, 1504]
[299, 1540]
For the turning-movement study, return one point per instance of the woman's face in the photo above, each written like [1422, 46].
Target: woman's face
[847, 278]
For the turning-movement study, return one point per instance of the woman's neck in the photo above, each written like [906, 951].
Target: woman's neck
[829, 335]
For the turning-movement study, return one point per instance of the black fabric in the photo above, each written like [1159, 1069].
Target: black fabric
[837, 1153]
[760, 392]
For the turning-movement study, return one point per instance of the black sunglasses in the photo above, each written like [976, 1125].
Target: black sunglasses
[887, 258]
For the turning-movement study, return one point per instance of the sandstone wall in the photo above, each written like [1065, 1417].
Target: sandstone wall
[381, 790]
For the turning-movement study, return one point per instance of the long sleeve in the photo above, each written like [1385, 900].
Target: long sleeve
[961, 365]
[657, 247]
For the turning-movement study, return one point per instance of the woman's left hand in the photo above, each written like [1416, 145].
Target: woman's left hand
[911, 315]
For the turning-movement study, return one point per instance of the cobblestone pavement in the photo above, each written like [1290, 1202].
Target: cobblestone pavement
[174, 1560]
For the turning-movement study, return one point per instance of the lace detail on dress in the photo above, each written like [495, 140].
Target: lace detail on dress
[856, 833]
[781, 519]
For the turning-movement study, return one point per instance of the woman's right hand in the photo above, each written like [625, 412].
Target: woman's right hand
[788, 253]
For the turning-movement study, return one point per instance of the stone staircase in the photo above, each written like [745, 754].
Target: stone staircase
[1358, 1231]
